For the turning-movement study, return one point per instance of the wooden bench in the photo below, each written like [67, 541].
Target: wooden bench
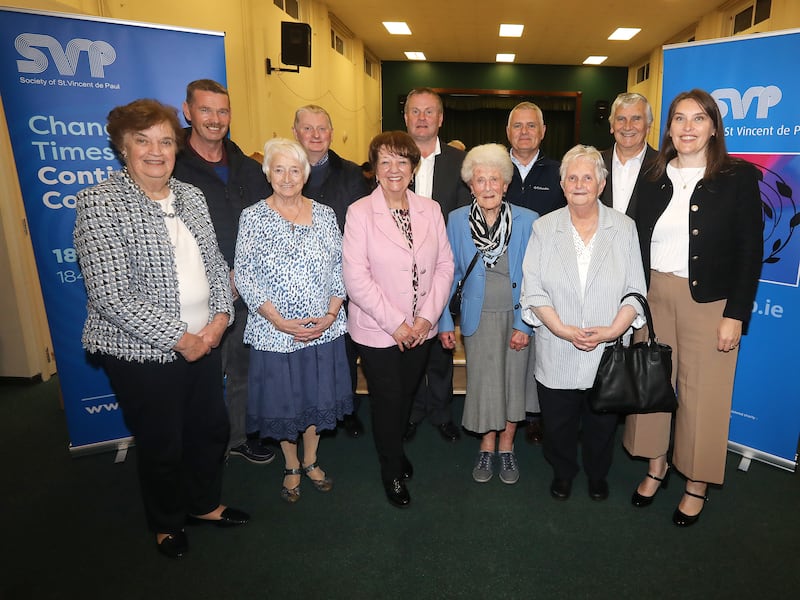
[459, 369]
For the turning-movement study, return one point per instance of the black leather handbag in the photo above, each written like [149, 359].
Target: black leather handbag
[635, 379]
[455, 301]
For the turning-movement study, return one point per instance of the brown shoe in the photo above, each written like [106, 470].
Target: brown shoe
[533, 432]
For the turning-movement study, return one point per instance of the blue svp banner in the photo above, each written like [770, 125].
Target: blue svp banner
[761, 110]
[60, 75]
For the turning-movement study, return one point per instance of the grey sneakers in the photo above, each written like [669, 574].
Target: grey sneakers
[483, 467]
[509, 470]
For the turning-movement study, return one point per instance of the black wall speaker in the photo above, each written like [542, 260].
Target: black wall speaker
[600, 111]
[296, 44]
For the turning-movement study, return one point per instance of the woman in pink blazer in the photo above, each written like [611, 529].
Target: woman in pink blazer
[398, 269]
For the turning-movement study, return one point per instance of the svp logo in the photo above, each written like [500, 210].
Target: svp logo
[763, 98]
[32, 46]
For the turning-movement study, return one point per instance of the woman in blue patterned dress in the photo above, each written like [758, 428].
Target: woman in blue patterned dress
[288, 269]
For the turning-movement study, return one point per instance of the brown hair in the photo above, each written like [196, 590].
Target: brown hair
[394, 142]
[717, 158]
[204, 85]
[140, 115]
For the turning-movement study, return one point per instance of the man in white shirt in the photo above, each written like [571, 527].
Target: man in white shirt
[438, 177]
[628, 160]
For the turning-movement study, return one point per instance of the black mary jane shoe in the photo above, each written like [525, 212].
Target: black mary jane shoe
[230, 517]
[681, 519]
[641, 501]
[175, 545]
[560, 489]
[396, 493]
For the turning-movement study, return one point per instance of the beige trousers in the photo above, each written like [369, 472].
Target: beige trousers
[703, 378]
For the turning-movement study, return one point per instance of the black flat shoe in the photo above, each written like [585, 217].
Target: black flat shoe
[598, 490]
[175, 545]
[230, 517]
[560, 489]
[641, 501]
[397, 493]
[681, 519]
[449, 431]
[410, 432]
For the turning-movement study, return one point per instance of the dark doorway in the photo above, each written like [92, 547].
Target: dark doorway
[480, 116]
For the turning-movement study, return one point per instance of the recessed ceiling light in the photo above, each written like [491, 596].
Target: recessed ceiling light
[397, 27]
[508, 30]
[624, 33]
[505, 57]
[595, 60]
[415, 56]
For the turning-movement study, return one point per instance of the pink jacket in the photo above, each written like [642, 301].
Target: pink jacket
[377, 266]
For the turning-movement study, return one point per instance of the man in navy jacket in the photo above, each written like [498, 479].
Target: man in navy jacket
[230, 181]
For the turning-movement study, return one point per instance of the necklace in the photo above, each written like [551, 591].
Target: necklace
[698, 173]
[292, 221]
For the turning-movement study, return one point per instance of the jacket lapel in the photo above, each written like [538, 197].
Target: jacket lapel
[565, 248]
[384, 220]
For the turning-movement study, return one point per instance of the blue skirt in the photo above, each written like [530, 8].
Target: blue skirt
[289, 392]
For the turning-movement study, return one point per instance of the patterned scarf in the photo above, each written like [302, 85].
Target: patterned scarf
[492, 242]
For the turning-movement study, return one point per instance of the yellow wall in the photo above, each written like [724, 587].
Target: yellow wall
[263, 105]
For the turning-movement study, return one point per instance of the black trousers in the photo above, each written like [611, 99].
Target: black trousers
[564, 413]
[177, 414]
[434, 396]
[393, 377]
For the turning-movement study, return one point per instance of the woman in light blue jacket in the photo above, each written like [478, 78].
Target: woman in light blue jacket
[495, 234]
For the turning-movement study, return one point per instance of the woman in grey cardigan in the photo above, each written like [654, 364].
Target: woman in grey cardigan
[159, 300]
[581, 259]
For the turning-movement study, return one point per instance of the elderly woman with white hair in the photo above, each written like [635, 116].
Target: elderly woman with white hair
[288, 269]
[581, 260]
[494, 234]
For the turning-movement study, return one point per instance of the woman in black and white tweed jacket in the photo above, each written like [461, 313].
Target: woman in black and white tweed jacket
[159, 300]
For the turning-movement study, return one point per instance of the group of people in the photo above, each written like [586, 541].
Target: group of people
[230, 306]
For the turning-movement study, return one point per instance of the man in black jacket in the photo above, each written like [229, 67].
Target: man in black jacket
[630, 156]
[439, 177]
[230, 182]
[337, 183]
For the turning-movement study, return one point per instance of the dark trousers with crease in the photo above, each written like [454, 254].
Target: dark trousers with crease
[434, 395]
[177, 414]
[392, 377]
[564, 414]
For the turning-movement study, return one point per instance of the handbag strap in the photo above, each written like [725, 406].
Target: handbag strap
[647, 315]
[469, 268]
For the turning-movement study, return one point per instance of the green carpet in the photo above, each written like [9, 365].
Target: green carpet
[74, 528]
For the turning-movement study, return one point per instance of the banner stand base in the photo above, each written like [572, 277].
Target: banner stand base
[749, 454]
[119, 447]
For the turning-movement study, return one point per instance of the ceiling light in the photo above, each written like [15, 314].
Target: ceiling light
[397, 27]
[505, 57]
[624, 33]
[507, 30]
[415, 56]
[595, 60]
